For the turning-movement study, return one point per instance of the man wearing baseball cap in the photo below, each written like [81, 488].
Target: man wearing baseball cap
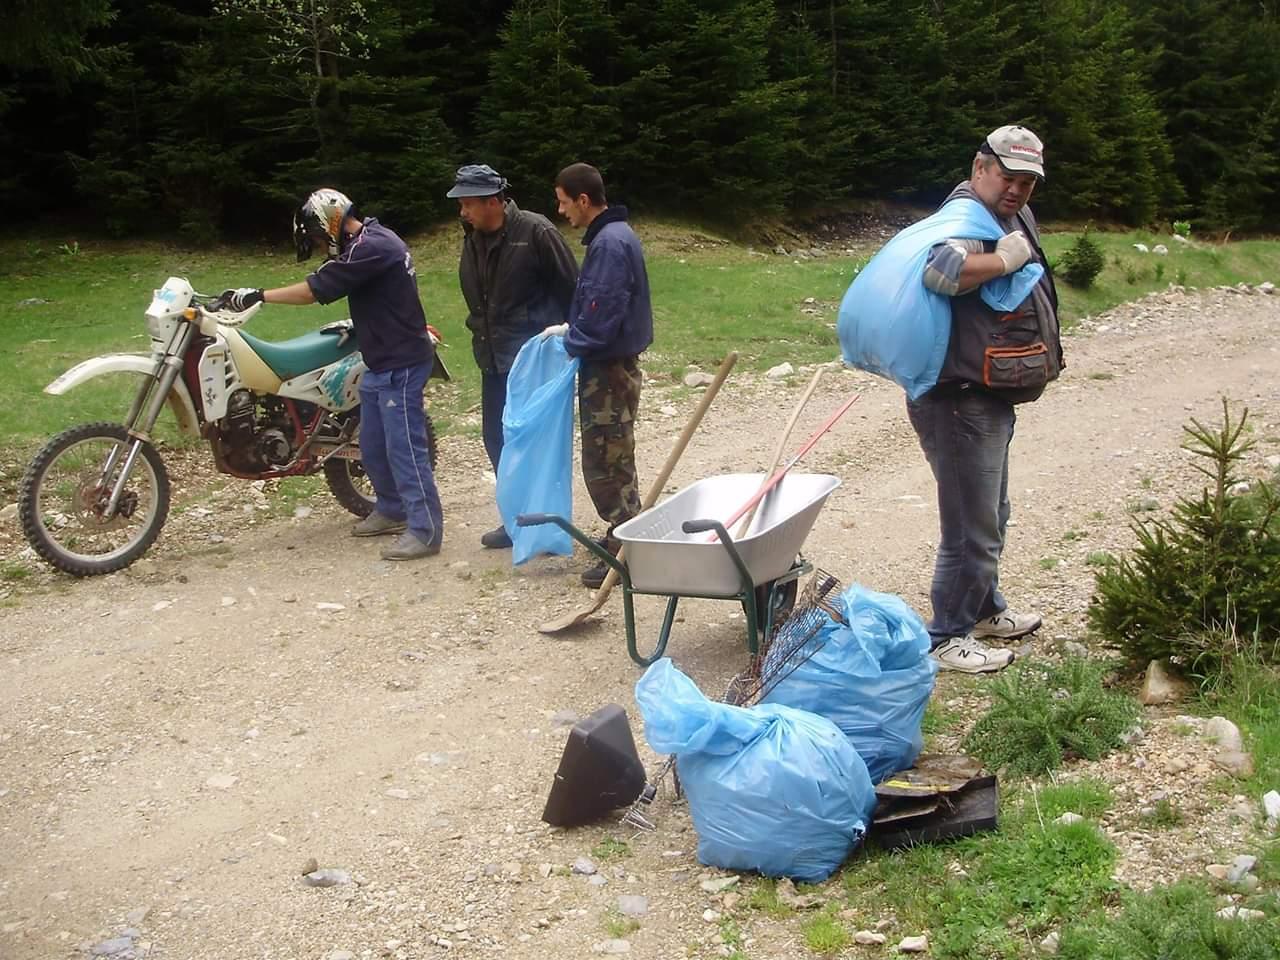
[518, 277]
[994, 361]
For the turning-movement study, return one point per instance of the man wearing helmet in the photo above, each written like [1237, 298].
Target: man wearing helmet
[517, 276]
[371, 266]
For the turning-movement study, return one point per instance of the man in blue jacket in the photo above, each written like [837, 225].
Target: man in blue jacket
[610, 325]
[371, 266]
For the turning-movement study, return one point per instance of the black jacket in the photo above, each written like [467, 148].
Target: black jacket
[525, 286]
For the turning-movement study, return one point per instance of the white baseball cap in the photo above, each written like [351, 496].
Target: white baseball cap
[1017, 149]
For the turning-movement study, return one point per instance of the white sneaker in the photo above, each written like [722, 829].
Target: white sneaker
[1006, 625]
[969, 656]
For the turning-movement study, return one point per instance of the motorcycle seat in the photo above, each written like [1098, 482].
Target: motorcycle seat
[291, 358]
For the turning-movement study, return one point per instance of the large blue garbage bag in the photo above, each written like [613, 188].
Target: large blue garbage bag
[872, 679]
[535, 473]
[770, 788]
[892, 325]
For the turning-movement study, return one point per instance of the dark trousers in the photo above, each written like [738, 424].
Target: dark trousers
[393, 449]
[493, 400]
[965, 435]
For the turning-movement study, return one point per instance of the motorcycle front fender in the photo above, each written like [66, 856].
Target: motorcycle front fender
[184, 411]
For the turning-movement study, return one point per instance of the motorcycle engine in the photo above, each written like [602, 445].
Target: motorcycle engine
[257, 432]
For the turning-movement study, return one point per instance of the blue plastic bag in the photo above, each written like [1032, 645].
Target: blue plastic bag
[871, 678]
[892, 325]
[535, 473]
[770, 789]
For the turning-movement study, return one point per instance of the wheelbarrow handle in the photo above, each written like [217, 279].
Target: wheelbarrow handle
[535, 519]
[702, 526]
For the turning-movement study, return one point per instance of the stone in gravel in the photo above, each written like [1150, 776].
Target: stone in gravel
[339, 955]
[1160, 250]
[711, 916]
[731, 900]
[698, 379]
[309, 866]
[597, 880]
[10, 512]
[1239, 765]
[1271, 805]
[780, 371]
[718, 884]
[1218, 871]
[228, 601]
[161, 605]
[1224, 732]
[913, 945]
[1050, 943]
[883, 924]
[1161, 686]
[869, 939]
[109, 948]
[788, 895]
[1240, 913]
[1176, 765]
[301, 513]
[1240, 866]
[668, 411]
[583, 867]
[330, 607]
[612, 946]
[545, 870]
[461, 569]
[633, 905]
[398, 793]
[564, 718]
[221, 781]
[328, 877]
[1073, 649]
[1069, 818]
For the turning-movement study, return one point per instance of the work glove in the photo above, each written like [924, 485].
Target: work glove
[342, 328]
[555, 330]
[1013, 250]
[240, 300]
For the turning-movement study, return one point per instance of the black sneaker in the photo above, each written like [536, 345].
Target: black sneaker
[495, 539]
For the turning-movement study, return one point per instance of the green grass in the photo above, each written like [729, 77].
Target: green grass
[14, 571]
[764, 897]
[1099, 558]
[824, 933]
[610, 849]
[1163, 815]
[707, 300]
[993, 894]
[617, 926]
[1248, 694]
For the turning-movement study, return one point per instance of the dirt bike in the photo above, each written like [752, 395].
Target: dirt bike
[95, 497]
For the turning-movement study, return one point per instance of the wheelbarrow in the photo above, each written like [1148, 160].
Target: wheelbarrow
[668, 553]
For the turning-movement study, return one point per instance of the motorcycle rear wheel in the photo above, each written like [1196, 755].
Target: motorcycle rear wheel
[62, 497]
[351, 486]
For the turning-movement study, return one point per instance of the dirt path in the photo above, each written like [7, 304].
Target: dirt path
[175, 742]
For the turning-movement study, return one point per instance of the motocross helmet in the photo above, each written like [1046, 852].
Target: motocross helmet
[319, 220]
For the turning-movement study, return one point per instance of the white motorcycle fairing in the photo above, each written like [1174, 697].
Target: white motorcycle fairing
[335, 387]
[179, 398]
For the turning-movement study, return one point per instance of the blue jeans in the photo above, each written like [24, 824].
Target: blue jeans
[493, 400]
[393, 449]
[965, 435]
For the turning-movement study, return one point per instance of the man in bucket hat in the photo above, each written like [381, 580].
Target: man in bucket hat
[965, 423]
[518, 276]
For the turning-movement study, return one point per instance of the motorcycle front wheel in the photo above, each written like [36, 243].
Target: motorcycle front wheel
[351, 486]
[63, 498]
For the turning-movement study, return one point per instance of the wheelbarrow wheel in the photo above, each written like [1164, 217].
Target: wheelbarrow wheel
[786, 600]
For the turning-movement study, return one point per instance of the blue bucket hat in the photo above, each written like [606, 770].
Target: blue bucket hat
[477, 180]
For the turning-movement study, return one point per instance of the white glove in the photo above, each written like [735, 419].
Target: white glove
[341, 327]
[1013, 250]
[555, 330]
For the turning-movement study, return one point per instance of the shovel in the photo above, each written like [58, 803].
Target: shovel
[573, 618]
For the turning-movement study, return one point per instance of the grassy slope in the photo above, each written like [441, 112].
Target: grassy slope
[709, 296]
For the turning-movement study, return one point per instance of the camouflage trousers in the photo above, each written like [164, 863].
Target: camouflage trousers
[608, 398]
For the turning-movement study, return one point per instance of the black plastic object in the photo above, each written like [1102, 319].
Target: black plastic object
[599, 771]
[970, 810]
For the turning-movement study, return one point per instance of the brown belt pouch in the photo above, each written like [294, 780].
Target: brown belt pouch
[1013, 367]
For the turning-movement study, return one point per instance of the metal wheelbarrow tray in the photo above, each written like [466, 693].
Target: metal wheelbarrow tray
[662, 558]
[669, 550]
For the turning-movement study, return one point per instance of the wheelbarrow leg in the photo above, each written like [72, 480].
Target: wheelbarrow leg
[748, 592]
[667, 620]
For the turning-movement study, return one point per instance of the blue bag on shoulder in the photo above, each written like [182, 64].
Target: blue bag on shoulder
[535, 473]
[892, 325]
[872, 678]
[770, 789]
